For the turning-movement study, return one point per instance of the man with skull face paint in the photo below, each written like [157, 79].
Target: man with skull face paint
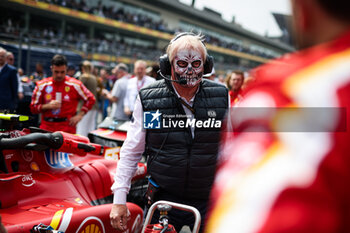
[181, 161]
[188, 65]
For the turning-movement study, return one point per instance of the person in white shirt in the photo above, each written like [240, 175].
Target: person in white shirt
[135, 84]
[118, 93]
[181, 161]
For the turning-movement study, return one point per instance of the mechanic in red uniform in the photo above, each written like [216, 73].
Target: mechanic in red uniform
[287, 168]
[57, 98]
[234, 83]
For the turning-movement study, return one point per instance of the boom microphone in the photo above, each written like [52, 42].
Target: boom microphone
[181, 81]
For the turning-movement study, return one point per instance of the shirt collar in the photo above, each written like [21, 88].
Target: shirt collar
[184, 99]
[1, 67]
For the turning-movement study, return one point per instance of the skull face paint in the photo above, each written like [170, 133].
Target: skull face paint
[188, 65]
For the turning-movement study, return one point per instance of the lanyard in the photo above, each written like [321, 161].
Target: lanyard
[139, 86]
[187, 106]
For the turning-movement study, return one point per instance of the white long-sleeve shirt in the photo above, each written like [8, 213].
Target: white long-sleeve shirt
[132, 149]
[133, 87]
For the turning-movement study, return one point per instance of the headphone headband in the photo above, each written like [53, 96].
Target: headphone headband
[181, 34]
[164, 63]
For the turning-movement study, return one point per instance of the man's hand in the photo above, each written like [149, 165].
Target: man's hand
[105, 93]
[127, 111]
[20, 95]
[53, 104]
[119, 217]
[73, 121]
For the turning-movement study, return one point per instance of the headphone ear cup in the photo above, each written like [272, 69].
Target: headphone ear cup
[208, 65]
[164, 65]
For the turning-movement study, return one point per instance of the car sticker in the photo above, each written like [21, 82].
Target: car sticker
[112, 153]
[91, 224]
[27, 180]
[57, 159]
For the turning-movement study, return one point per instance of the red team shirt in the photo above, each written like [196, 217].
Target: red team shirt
[278, 181]
[235, 98]
[72, 91]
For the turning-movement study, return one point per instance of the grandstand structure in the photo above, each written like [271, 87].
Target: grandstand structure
[113, 31]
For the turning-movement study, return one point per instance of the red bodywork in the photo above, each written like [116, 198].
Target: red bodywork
[61, 189]
[111, 133]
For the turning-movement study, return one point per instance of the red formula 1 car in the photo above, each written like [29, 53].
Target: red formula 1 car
[57, 180]
[112, 133]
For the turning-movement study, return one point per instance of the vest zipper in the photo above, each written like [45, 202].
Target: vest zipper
[189, 151]
[188, 169]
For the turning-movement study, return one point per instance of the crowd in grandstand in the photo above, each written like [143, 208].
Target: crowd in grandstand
[80, 41]
[112, 12]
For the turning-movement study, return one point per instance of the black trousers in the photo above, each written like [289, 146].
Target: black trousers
[179, 218]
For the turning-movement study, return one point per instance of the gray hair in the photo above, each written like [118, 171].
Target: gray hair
[122, 66]
[187, 40]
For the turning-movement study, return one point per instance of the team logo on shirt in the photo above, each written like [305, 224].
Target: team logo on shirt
[151, 120]
[49, 89]
[67, 88]
[48, 97]
[56, 111]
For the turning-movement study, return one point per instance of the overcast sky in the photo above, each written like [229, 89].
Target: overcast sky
[254, 15]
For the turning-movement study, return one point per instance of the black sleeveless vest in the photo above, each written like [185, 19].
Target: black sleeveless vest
[180, 164]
